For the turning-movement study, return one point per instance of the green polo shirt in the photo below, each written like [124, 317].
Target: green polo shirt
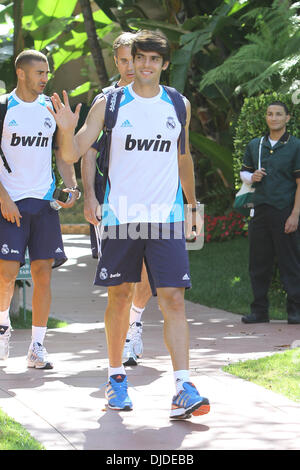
[282, 165]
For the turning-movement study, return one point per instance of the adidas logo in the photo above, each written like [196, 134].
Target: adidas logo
[126, 124]
[186, 277]
[58, 250]
[13, 123]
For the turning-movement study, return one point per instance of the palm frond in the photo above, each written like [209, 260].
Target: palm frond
[271, 54]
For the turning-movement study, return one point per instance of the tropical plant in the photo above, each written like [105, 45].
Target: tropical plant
[269, 60]
[60, 30]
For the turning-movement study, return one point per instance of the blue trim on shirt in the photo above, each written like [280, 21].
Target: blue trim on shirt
[11, 102]
[42, 100]
[127, 97]
[48, 196]
[108, 216]
[165, 97]
[177, 211]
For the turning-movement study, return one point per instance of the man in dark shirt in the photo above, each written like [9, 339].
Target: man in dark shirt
[274, 228]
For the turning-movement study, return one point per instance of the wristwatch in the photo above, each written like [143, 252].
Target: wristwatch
[76, 188]
[194, 209]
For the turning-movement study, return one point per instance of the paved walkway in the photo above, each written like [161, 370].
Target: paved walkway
[65, 408]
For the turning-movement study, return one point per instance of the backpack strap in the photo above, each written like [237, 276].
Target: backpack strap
[3, 109]
[179, 105]
[113, 99]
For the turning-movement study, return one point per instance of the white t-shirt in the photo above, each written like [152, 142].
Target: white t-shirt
[273, 142]
[28, 129]
[143, 183]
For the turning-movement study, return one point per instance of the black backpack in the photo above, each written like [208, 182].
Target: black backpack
[113, 99]
[3, 109]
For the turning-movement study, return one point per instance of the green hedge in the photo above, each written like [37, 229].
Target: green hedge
[251, 123]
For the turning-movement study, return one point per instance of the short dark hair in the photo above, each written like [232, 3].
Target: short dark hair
[125, 39]
[151, 41]
[279, 103]
[27, 56]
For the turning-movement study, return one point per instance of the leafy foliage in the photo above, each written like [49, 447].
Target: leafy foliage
[220, 155]
[271, 56]
[55, 28]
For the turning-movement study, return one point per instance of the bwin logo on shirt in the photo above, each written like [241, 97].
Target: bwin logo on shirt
[157, 145]
[29, 140]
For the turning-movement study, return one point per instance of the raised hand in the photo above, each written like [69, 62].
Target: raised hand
[65, 119]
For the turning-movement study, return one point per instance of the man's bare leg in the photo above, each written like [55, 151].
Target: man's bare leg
[117, 321]
[142, 290]
[8, 273]
[116, 326]
[41, 271]
[134, 345]
[187, 400]
[176, 331]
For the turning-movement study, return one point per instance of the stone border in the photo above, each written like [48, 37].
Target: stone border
[77, 229]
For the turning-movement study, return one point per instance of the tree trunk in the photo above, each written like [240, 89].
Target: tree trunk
[18, 37]
[93, 41]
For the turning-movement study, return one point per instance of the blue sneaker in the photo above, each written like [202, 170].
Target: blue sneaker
[188, 402]
[116, 393]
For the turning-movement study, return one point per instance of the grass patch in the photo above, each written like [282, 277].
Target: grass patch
[14, 437]
[279, 372]
[220, 279]
[25, 323]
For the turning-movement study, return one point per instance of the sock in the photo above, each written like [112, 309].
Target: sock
[116, 371]
[135, 314]
[4, 318]
[38, 334]
[181, 376]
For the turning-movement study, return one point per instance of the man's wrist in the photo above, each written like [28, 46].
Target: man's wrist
[296, 212]
[76, 188]
[194, 206]
[89, 194]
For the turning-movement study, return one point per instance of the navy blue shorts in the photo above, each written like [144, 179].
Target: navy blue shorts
[39, 231]
[162, 246]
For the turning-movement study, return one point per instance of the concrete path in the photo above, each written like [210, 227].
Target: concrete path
[65, 408]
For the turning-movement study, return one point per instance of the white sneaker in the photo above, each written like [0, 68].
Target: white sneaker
[129, 357]
[5, 332]
[37, 357]
[135, 335]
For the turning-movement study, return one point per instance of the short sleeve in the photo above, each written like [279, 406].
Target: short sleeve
[297, 160]
[247, 160]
